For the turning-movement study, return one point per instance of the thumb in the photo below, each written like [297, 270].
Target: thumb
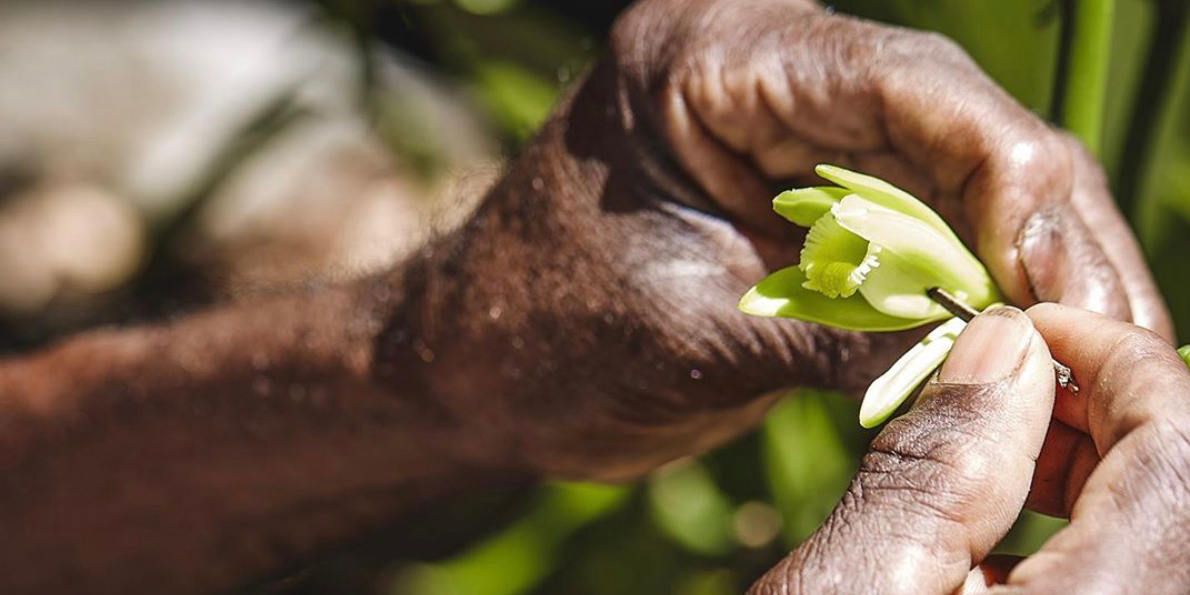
[941, 485]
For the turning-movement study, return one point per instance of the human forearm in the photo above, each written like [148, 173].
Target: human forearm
[192, 456]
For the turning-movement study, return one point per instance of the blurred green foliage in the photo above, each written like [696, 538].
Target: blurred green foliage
[710, 526]
[519, 557]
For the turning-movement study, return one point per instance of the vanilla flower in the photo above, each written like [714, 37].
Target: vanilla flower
[871, 253]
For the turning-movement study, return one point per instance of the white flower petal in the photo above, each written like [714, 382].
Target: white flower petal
[898, 290]
[894, 386]
[926, 255]
[804, 206]
[885, 194]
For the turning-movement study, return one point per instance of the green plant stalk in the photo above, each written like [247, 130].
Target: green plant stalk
[1152, 99]
[1086, 80]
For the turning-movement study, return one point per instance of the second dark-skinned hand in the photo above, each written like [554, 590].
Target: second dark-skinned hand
[591, 300]
[942, 485]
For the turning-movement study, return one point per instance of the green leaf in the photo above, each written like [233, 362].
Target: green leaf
[782, 294]
[885, 195]
[804, 206]
[806, 456]
[688, 507]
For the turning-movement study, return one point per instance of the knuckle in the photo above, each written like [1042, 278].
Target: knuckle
[913, 45]
[1162, 466]
[1175, 440]
[942, 46]
[627, 31]
[1133, 354]
[1035, 154]
[642, 42]
[934, 459]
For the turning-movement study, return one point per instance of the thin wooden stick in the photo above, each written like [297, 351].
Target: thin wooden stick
[965, 313]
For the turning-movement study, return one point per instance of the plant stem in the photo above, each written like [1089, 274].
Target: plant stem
[1057, 110]
[1090, 60]
[1152, 99]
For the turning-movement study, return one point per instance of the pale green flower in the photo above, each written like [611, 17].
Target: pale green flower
[871, 253]
[1184, 351]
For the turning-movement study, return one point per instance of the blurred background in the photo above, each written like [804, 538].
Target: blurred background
[158, 156]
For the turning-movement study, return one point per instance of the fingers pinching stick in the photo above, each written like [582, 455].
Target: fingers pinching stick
[966, 313]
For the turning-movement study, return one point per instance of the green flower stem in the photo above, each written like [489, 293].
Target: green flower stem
[1090, 61]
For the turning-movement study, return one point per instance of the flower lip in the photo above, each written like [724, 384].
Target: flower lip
[926, 258]
[836, 261]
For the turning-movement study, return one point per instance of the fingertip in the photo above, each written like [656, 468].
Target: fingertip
[1043, 309]
[1127, 374]
[990, 348]
[1002, 359]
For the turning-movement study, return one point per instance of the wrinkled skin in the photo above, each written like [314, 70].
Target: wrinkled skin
[944, 483]
[596, 286]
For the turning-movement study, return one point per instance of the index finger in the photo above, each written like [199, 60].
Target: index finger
[1128, 376]
[1014, 176]
[1128, 525]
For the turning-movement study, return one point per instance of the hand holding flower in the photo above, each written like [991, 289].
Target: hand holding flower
[871, 257]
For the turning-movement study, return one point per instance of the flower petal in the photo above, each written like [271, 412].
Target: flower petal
[804, 206]
[898, 289]
[782, 294]
[885, 195]
[925, 254]
[894, 386]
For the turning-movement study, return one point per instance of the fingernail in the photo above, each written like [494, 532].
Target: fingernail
[1043, 256]
[1062, 264]
[991, 347]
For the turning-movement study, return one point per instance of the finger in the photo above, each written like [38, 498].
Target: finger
[702, 99]
[992, 571]
[1014, 177]
[1129, 527]
[908, 106]
[942, 484]
[1127, 376]
[1093, 202]
[1067, 458]
[717, 169]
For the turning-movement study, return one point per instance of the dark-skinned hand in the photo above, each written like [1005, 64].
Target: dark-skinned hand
[583, 324]
[943, 484]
